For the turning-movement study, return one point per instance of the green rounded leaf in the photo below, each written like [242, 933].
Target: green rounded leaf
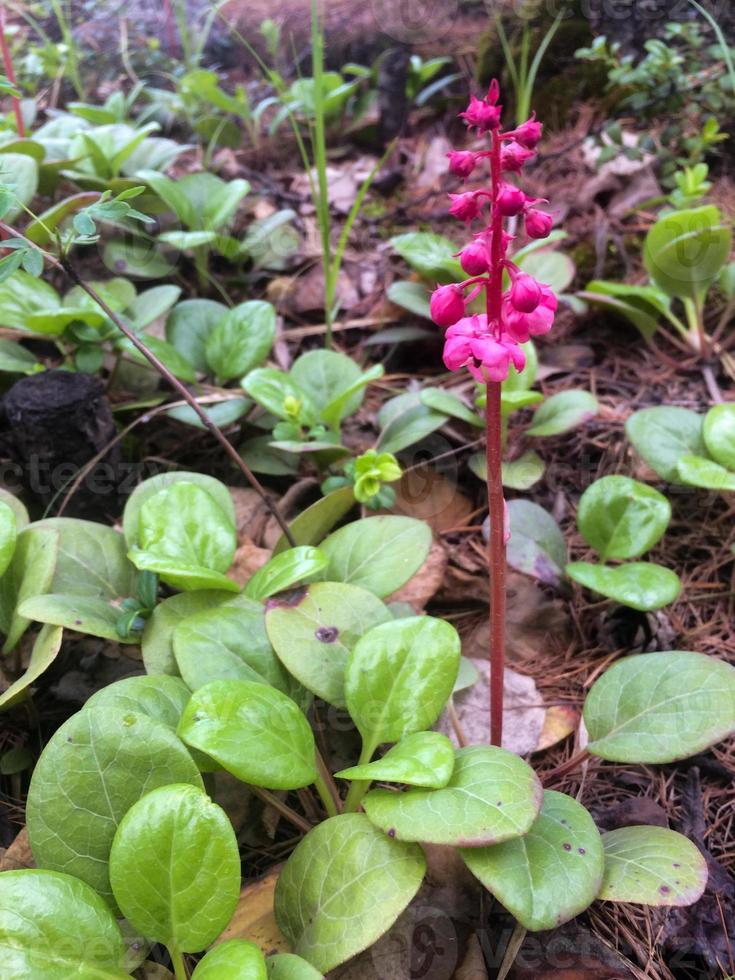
[271, 388]
[492, 796]
[96, 617]
[157, 644]
[323, 375]
[21, 172]
[662, 435]
[450, 404]
[652, 866]
[536, 546]
[16, 359]
[518, 474]
[420, 759]
[148, 488]
[658, 707]
[17, 506]
[288, 966]
[186, 537]
[622, 518]
[312, 524]
[236, 959]
[686, 249]
[552, 873]
[161, 698]
[548, 266]
[253, 731]
[92, 561]
[718, 430]
[431, 255]
[562, 412]
[285, 571]
[399, 677]
[241, 340]
[343, 887]
[642, 585]
[378, 553]
[696, 471]
[43, 654]
[189, 325]
[8, 535]
[30, 573]
[228, 642]
[54, 926]
[175, 867]
[100, 762]
[314, 630]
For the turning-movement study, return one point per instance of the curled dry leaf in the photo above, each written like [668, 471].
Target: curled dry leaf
[18, 855]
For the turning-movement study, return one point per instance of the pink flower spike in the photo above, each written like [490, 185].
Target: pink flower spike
[478, 113]
[513, 156]
[462, 162]
[474, 258]
[465, 206]
[525, 293]
[511, 200]
[529, 133]
[494, 357]
[538, 223]
[493, 92]
[447, 305]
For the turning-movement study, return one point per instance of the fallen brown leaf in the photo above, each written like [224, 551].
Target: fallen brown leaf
[560, 721]
[568, 953]
[429, 496]
[248, 559]
[426, 582]
[254, 918]
[523, 714]
[18, 855]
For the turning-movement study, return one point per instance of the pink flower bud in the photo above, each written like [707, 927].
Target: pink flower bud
[465, 206]
[462, 163]
[529, 133]
[473, 258]
[511, 200]
[481, 114]
[525, 293]
[538, 223]
[513, 156]
[447, 305]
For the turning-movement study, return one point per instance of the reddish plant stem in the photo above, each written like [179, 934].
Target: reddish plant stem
[494, 454]
[10, 73]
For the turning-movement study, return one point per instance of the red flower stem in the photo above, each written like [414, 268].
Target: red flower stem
[10, 73]
[494, 450]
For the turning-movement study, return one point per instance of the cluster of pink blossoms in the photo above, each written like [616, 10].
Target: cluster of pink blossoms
[488, 343]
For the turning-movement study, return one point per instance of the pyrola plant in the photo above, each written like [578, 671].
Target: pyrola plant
[488, 343]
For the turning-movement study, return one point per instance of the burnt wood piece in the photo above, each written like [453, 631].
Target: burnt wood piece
[52, 424]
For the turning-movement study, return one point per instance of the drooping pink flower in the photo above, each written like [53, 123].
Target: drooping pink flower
[528, 133]
[469, 343]
[462, 162]
[525, 293]
[511, 200]
[481, 114]
[474, 258]
[522, 326]
[465, 206]
[538, 223]
[447, 305]
[513, 156]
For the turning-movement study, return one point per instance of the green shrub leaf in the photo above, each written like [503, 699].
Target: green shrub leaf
[718, 430]
[658, 707]
[663, 434]
[622, 518]
[343, 887]
[642, 585]
[420, 759]
[175, 867]
[562, 412]
[236, 959]
[492, 796]
[255, 732]
[652, 866]
[399, 677]
[550, 875]
[314, 630]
